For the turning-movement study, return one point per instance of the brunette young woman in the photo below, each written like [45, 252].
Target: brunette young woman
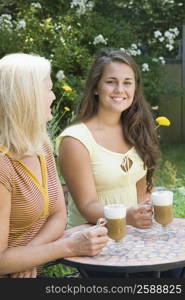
[109, 155]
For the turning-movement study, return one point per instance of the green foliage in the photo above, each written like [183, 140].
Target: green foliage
[171, 174]
[70, 34]
[179, 204]
[59, 270]
[166, 175]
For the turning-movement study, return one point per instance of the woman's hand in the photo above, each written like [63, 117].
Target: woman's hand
[88, 241]
[31, 273]
[140, 216]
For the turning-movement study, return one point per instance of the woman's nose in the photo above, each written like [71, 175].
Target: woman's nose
[120, 88]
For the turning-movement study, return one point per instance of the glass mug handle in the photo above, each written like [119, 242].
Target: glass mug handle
[101, 222]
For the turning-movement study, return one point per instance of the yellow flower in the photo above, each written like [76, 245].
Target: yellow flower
[163, 121]
[66, 108]
[67, 88]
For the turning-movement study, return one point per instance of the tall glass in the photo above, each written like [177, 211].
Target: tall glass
[115, 215]
[162, 201]
[145, 208]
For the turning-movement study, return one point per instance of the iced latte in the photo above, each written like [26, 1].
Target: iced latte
[163, 206]
[115, 215]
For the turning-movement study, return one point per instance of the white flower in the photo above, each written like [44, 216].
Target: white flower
[161, 39]
[21, 24]
[123, 50]
[171, 41]
[175, 31]
[60, 75]
[100, 39]
[145, 67]
[161, 58]
[157, 33]
[133, 46]
[169, 1]
[6, 16]
[36, 4]
[168, 34]
[90, 5]
[57, 26]
[62, 40]
[82, 6]
[138, 52]
[155, 59]
[133, 50]
[169, 47]
[5, 21]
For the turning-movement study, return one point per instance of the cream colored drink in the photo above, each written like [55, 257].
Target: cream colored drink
[115, 215]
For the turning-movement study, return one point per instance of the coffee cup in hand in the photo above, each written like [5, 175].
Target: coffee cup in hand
[115, 215]
[163, 206]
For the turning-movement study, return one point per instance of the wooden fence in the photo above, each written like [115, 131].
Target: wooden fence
[173, 106]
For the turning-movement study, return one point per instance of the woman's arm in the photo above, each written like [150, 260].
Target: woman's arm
[17, 259]
[142, 194]
[140, 216]
[76, 167]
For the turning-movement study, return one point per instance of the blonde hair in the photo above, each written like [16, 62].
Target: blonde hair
[22, 120]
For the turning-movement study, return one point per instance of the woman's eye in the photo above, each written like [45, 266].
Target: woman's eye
[110, 81]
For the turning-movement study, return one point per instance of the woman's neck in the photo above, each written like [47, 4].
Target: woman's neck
[106, 120]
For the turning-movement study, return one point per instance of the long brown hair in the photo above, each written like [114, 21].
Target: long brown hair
[137, 120]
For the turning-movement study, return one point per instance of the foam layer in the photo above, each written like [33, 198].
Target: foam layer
[162, 198]
[115, 211]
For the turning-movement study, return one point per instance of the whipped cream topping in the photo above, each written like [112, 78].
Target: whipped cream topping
[162, 198]
[115, 211]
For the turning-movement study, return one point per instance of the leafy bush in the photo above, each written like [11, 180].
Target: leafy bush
[70, 32]
[59, 270]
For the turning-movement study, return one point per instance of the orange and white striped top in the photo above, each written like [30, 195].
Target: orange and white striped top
[31, 202]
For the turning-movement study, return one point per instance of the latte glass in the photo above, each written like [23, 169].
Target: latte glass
[115, 215]
[162, 201]
[145, 208]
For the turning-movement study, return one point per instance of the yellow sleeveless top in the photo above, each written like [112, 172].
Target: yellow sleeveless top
[113, 184]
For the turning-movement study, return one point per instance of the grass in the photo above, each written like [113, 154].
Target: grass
[59, 270]
[175, 154]
[171, 174]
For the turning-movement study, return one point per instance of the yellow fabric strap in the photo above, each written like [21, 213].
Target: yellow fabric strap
[43, 188]
[4, 150]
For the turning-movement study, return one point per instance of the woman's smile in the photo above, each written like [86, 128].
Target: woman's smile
[116, 87]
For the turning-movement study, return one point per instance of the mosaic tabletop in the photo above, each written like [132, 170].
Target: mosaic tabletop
[141, 248]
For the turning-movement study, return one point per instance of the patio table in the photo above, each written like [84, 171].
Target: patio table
[144, 252]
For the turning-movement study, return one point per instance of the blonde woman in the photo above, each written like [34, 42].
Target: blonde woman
[32, 207]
